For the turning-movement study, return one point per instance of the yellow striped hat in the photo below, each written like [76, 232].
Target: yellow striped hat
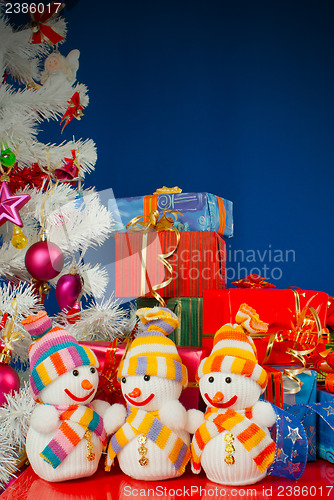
[152, 352]
[234, 351]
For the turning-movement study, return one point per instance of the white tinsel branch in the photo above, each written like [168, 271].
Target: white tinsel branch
[26, 300]
[22, 110]
[15, 416]
[104, 321]
[14, 423]
[37, 152]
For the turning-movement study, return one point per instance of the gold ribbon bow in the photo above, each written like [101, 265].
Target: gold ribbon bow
[9, 336]
[305, 330]
[154, 223]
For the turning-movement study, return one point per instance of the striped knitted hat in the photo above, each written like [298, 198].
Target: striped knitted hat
[233, 349]
[55, 353]
[152, 352]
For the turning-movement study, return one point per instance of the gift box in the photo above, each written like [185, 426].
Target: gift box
[200, 211]
[325, 435]
[281, 309]
[189, 312]
[197, 263]
[306, 395]
[110, 354]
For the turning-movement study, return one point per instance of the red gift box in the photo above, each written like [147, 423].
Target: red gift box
[110, 354]
[274, 306]
[198, 263]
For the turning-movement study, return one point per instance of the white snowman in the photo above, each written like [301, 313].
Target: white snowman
[231, 440]
[150, 439]
[66, 436]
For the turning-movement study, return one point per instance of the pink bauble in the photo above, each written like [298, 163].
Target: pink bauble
[67, 290]
[44, 260]
[9, 381]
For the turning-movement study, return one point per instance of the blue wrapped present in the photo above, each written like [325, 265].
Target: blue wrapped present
[306, 396]
[325, 435]
[200, 211]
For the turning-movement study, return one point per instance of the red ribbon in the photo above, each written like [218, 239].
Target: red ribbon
[73, 111]
[253, 281]
[42, 32]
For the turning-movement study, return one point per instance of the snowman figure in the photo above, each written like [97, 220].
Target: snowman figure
[66, 435]
[232, 441]
[150, 439]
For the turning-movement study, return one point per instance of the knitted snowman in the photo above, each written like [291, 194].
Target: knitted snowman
[66, 434]
[232, 441]
[151, 442]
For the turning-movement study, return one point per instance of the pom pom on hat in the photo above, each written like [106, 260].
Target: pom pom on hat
[234, 351]
[54, 354]
[37, 325]
[152, 352]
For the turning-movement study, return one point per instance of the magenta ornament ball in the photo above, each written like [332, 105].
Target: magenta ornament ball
[68, 288]
[44, 260]
[9, 382]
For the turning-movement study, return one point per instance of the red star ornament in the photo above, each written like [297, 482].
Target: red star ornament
[10, 205]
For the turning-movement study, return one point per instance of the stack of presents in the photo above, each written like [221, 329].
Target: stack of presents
[170, 250]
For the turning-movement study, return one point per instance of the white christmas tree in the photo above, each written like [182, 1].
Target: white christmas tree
[45, 212]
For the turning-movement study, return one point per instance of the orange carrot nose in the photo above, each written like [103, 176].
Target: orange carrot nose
[85, 384]
[219, 396]
[135, 393]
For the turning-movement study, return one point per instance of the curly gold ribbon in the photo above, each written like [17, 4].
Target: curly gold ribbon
[9, 336]
[155, 224]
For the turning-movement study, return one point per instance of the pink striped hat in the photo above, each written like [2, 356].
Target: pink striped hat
[54, 354]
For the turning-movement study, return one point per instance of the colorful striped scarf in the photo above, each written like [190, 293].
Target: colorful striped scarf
[68, 436]
[259, 445]
[148, 424]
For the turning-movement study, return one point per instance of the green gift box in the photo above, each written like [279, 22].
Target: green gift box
[189, 312]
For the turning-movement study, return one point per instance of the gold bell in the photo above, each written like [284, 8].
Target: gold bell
[19, 240]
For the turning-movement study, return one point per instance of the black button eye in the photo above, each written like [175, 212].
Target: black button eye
[123, 380]
[75, 373]
[146, 378]
[228, 380]
[211, 379]
[92, 370]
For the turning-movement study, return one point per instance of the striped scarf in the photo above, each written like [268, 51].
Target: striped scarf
[260, 446]
[67, 437]
[148, 424]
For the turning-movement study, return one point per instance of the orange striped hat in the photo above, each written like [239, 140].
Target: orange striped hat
[233, 349]
[56, 352]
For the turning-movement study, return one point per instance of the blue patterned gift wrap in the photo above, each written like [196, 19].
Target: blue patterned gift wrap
[200, 211]
[306, 395]
[325, 436]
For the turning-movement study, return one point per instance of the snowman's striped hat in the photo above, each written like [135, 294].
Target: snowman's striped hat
[55, 353]
[152, 352]
[234, 351]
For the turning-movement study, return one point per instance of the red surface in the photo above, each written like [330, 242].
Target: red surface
[274, 306]
[316, 482]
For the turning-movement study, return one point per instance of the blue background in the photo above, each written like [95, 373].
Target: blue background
[229, 97]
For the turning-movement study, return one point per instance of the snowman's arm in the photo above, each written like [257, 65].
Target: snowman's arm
[173, 415]
[114, 418]
[195, 418]
[263, 414]
[45, 419]
[100, 406]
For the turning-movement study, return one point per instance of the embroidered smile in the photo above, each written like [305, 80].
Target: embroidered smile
[76, 397]
[140, 403]
[228, 403]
